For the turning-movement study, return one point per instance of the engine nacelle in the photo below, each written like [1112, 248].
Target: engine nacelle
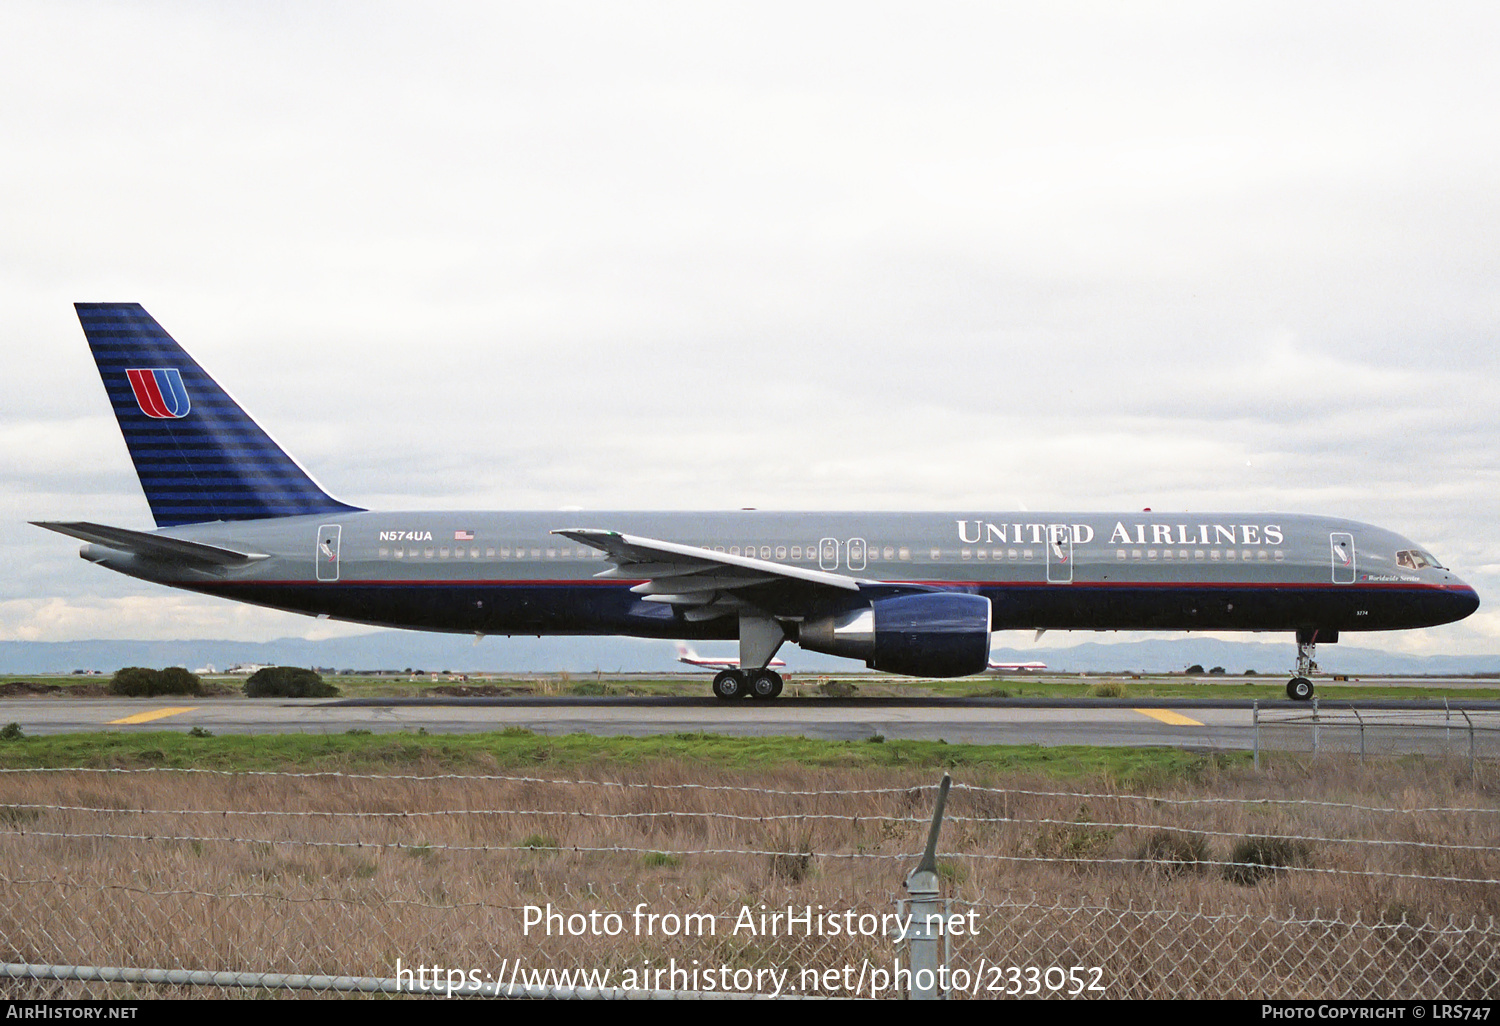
[934, 634]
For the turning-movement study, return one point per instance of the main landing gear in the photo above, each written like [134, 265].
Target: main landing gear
[1300, 688]
[764, 684]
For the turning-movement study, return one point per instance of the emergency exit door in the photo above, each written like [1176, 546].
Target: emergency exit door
[327, 555]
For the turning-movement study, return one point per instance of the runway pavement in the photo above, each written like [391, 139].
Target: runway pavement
[1423, 725]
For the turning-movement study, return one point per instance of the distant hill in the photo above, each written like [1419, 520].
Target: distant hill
[432, 652]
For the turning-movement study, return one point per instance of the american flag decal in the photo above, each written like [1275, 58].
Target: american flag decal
[463, 535]
[159, 392]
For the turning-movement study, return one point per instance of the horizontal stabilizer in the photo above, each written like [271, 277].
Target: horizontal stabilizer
[151, 546]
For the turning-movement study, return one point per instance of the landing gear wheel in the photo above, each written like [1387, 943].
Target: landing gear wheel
[1299, 689]
[729, 684]
[765, 684]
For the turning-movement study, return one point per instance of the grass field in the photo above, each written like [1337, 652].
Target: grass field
[431, 848]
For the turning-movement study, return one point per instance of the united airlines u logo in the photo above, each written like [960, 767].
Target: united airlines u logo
[159, 392]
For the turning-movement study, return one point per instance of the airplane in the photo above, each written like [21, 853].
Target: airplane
[916, 594]
[1016, 666]
[686, 654]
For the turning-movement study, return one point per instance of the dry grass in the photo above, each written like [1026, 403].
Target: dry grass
[351, 894]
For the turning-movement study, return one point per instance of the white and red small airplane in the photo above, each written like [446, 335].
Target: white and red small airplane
[685, 654]
[1017, 666]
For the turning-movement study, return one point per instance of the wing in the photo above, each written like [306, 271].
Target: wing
[702, 583]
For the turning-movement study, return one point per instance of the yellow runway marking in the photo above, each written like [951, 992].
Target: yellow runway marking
[154, 714]
[1168, 716]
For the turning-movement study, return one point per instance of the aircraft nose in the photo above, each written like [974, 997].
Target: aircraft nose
[1462, 599]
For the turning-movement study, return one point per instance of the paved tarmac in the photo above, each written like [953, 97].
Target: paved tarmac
[1379, 726]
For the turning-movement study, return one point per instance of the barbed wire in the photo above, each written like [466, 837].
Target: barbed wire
[1174, 864]
[571, 813]
[734, 817]
[1159, 800]
[421, 846]
[478, 777]
[904, 790]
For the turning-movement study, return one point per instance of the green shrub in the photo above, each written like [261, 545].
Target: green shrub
[1172, 853]
[288, 682]
[11, 732]
[141, 682]
[1107, 689]
[1258, 858]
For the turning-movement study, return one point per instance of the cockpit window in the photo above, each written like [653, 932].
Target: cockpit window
[1416, 559]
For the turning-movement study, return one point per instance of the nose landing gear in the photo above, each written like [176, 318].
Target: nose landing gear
[1300, 688]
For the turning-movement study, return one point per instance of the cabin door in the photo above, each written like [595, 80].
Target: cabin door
[1059, 554]
[1341, 545]
[327, 555]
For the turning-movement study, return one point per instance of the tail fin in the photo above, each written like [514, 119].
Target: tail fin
[198, 455]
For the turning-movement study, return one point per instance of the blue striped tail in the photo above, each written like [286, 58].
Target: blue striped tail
[199, 456]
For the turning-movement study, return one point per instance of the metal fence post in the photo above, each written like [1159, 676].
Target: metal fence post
[1470, 722]
[927, 918]
[1361, 720]
[1315, 725]
[1255, 722]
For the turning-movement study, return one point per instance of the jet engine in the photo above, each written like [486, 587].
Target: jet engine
[934, 634]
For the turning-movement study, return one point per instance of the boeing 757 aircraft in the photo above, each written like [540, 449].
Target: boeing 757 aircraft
[907, 593]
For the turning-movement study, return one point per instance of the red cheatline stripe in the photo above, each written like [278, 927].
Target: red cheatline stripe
[1293, 586]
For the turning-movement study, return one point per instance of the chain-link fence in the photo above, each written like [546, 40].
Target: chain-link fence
[1349, 881]
[1452, 732]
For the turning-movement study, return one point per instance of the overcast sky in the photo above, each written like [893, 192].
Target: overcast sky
[973, 257]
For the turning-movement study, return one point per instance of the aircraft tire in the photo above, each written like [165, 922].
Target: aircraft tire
[729, 684]
[1299, 689]
[765, 685]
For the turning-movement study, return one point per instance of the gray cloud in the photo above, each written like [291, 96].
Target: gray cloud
[1078, 256]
